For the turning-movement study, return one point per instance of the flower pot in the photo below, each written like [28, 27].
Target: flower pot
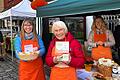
[88, 67]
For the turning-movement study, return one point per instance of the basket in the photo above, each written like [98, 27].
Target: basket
[28, 56]
[105, 70]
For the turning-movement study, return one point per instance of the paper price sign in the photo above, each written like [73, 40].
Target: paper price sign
[28, 48]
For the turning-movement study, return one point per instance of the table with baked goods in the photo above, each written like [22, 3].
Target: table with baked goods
[105, 69]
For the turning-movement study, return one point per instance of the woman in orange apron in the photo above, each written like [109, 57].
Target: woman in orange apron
[101, 39]
[64, 67]
[31, 69]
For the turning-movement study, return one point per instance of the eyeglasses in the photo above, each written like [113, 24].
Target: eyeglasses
[27, 25]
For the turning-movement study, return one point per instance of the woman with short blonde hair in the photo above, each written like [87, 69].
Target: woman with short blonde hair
[61, 68]
[59, 24]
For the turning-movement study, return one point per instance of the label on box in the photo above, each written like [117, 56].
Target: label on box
[64, 57]
[62, 47]
[28, 48]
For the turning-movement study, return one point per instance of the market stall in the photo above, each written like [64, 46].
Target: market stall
[73, 7]
[20, 11]
[77, 7]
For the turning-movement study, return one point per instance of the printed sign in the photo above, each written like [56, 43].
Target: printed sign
[62, 47]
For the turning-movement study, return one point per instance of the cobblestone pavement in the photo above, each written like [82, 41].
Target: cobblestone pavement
[8, 70]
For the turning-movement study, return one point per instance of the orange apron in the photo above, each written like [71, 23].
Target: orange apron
[67, 73]
[101, 51]
[31, 70]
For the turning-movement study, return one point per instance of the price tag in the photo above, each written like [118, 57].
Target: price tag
[28, 48]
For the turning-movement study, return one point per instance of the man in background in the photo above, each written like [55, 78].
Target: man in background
[1, 47]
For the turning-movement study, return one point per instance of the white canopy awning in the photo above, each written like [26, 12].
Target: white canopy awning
[23, 9]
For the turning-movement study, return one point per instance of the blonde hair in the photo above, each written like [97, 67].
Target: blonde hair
[59, 24]
[104, 26]
[22, 33]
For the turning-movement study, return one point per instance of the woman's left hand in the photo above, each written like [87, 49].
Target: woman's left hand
[1, 43]
[69, 59]
[35, 54]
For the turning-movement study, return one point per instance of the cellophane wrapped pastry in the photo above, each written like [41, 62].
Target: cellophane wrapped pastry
[105, 67]
[28, 56]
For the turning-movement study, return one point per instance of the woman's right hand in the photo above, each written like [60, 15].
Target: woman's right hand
[55, 59]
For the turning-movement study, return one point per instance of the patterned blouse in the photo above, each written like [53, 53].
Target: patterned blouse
[110, 39]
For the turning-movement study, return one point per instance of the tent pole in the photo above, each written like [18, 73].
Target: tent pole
[11, 37]
[39, 25]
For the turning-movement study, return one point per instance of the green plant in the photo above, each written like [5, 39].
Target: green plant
[89, 60]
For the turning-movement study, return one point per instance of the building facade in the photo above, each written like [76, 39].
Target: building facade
[7, 4]
[1, 5]
[10, 3]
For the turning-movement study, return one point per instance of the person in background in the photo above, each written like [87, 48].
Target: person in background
[8, 42]
[101, 39]
[116, 33]
[2, 53]
[63, 64]
[31, 69]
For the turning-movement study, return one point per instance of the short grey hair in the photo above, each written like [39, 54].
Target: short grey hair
[59, 24]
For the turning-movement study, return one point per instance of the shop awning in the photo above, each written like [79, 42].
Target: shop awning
[72, 7]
